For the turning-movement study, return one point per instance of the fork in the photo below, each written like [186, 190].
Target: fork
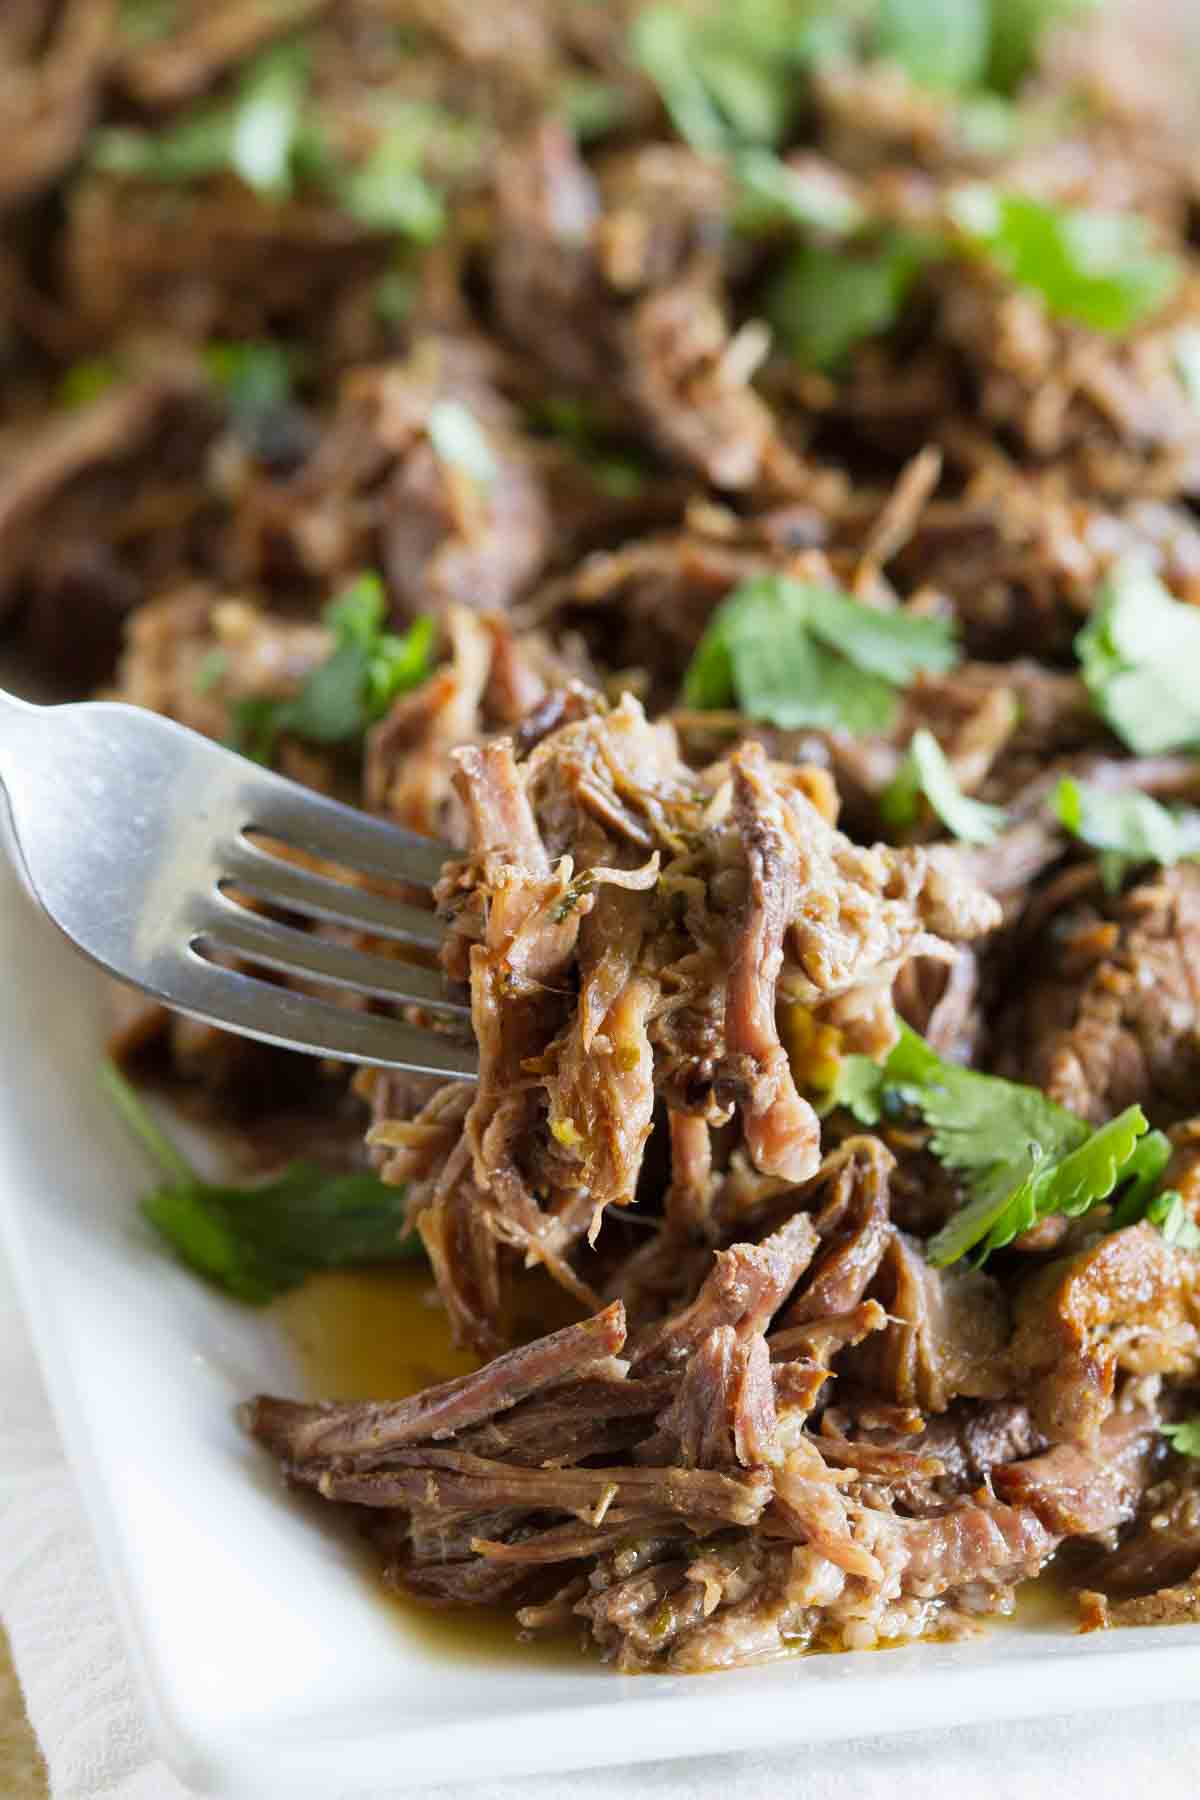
[137, 835]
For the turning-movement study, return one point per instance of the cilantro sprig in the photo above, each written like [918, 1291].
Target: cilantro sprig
[1183, 1437]
[793, 654]
[255, 1242]
[1138, 656]
[1128, 829]
[1097, 268]
[926, 771]
[353, 688]
[269, 134]
[1022, 1157]
[826, 299]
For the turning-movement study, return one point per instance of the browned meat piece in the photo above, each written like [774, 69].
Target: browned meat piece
[724, 1411]
[747, 1286]
[1128, 1302]
[459, 1481]
[377, 491]
[49, 102]
[946, 1334]
[299, 1433]
[689, 375]
[972, 1439]
[1163, 1547]
[1114, 1021]
[972, 1542]
[1077, 1492]
[855, 1224]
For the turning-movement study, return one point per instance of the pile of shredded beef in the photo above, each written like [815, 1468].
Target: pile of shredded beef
[501, 329]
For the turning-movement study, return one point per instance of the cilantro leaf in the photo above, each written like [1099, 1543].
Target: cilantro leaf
[459, 441]
[1128, 828]
[1138, 654]
[256, 1242]
[87, 379]
[356, 684]
[728, 76]
[939, 46]
[771, 192]
[266, 118]
[1169, 1212]
[925, 770]
[256, 380]
[1023, 1157]
[256, 133]
[1017, 26]
[1184, 1437]
[1186, 357]
[387, 190]
[795, 654]
[615, 471]
[824, 301]
[1094, 267]
[592, 107]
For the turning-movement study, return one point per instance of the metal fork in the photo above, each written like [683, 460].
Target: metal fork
[137, 835]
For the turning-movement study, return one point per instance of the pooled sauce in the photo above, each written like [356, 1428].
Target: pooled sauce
[380, 1334]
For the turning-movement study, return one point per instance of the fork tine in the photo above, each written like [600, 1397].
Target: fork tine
[234, 1000]
[341, 834]
[294, 952]
[299, 890]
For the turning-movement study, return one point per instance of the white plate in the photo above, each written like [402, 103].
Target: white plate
[268, 1667]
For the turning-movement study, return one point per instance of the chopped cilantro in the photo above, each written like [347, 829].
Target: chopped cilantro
[388, 191]
[1023, 1157]
[926, 771]
[459, 442]
[87, 379]
[592, 107]
[771, 192]
[823, 301]
[939, 46]
[254, 378]
[1184, 1437]
[729, 75]
[256, 133]
[356, 684]
[1017, 27]
[258, 1241]
[146, 21]
[266, 118]
[1139, 653]
[796, 654]
[1186, 351]
[614, 470]
[210, 670]
[1097, 268]
[1128, 829]
[1169, 1212]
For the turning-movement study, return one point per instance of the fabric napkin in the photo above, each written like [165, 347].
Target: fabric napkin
[87, 1717]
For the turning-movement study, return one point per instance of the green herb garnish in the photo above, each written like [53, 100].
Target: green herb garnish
[1184, 1438]
[254, 379]
[824, 301]
[796, 654]
[772, 193]
[1128, 829]
[258, 1241]
[256, 134]
[1097, 268]
[353, 688]
[925, 771]
[615, 471]
[1023, 1157]
[1139, 655]
[459, 442]
[87, 379]
[946, 45]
